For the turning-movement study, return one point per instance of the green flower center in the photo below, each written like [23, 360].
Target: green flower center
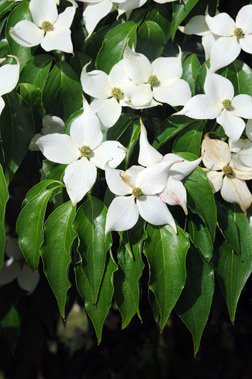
[153, 80]
[227, 104]
[137, 192]
[238, 32]
[228, 171]
[117, 93]
[47, 26]
[85, 151]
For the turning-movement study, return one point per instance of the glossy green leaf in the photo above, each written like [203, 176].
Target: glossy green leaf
[191, 67]
[227, 222]
[190, 139]
[33, 97]
[240, 74]
[5, 6]
[36, 70]
[200, 236]
[4, 196]
[62, 93]
[56, 251]
[200, 199]
[195, 301]
[99, 311]
[166, 254]
[179, 13]
[38, 188]
[19, 13]
[160, 15]
[16, 138]
[93, 246]
[120, 127]
[29, 227]
[114, 44]
[126, 279]
[150, 40]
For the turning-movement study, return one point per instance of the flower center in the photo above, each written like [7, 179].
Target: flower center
[137, 192]
[47, 26]
[227, 104]
[117, 93]
[85, 151]
[153, 80]
[238, 32]
[228, 171]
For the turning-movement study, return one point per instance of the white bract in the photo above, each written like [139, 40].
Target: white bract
[15, 267]
[83, 151]
[219, 102]
[234, 36]
[197, 25]
[223, 174]
[174, 192]
[50, 125]
[243, 149]
[50, 30]
[108, 91]
[142, 185]
[9, 76]
[159, 80]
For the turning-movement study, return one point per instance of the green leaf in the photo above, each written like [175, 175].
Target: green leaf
[19, 13]
[56, 251]
[99, 311]
[120, 127]
[93, 246]
[240, 74]
[200, 236]
[195, 301]
[78, 61]
[33, 97]
[200, 199]
[233, 270]
[114, 44]
[5, 7]
[166, 254]
[160, 15]
[38, 188]
[36, 70]
[191, 68]
[150, 40]
[10, 325]
[17, 136]
[190, 139]
[127, 277]
[4, 196]
[29, 227]
[62, 93]
[179, 13]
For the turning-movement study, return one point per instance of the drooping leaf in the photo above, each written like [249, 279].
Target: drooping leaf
[179, 13]
[4, 196]
[166, 254]
[114, 44]
[127, 277]
[99, 311]
[90, 226]
[200, 198]
[200, 236]
[227, 222]
[56, 251]
[194, 304]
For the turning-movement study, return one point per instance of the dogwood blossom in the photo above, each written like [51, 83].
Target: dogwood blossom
[15, 267]
[143, 186]
[50, 125]
[174, 192]
[223, 174]
[159, 80]
[243, 149]
[50, 30]
[219, 102]
[83, 151]
[234, 36]
[9, 76]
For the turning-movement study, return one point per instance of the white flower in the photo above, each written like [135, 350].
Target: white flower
[143, 185]
[224, 175]
[197, 25]
[234, 36]
[159, 80]
[50, 125]
[16, 268]
[219, 102]
[9, 76]
[108, 91]
[50, 30]
[243, 149]
[174, 192]
[83, 151]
